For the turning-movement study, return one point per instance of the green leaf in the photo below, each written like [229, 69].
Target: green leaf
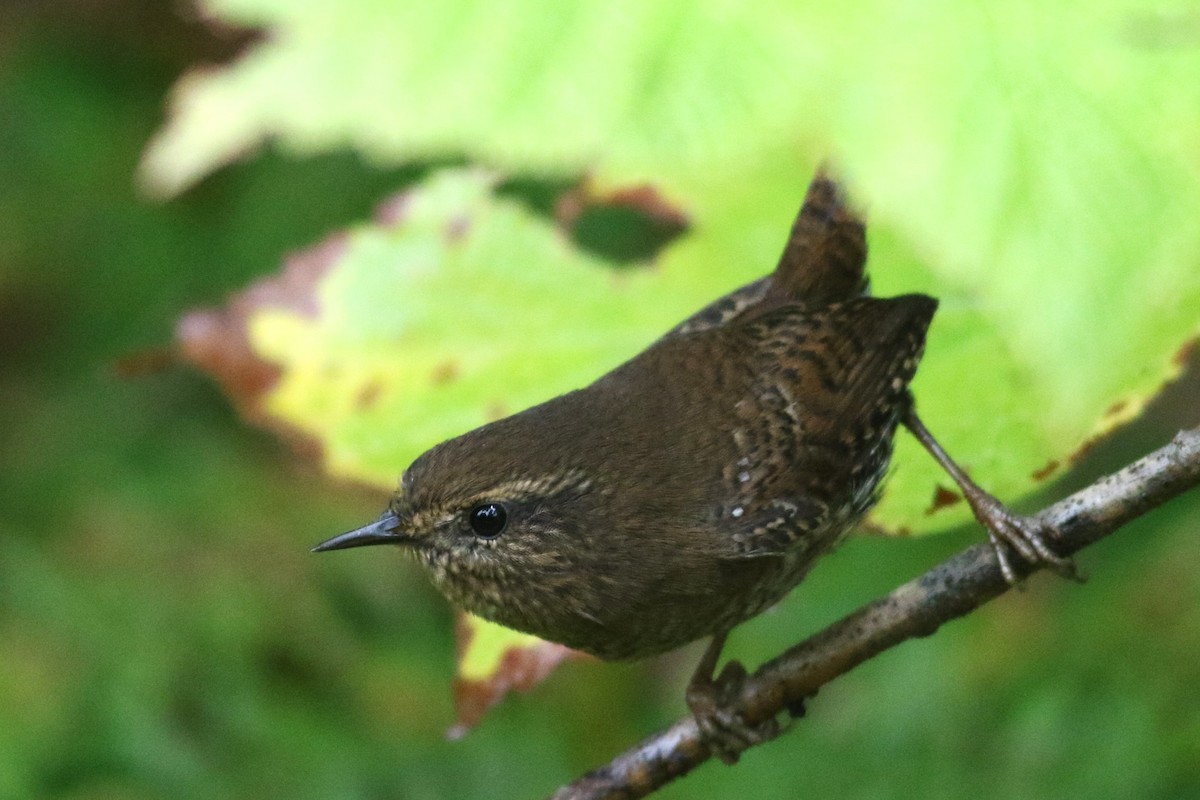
[1031, 165]
[438, 322]
[520, 83]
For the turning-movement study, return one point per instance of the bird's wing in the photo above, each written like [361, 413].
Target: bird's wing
[813, 432]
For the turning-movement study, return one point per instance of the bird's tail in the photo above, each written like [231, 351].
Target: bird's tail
[825, 257]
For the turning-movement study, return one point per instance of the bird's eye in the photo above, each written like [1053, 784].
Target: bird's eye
[488, 520]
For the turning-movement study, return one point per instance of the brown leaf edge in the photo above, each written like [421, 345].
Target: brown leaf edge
[217, 340]
[521, 669]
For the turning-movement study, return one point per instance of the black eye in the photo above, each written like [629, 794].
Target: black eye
[488, 520]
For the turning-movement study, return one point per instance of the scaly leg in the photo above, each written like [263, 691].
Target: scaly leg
[1022, 534]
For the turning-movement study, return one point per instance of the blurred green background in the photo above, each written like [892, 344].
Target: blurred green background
[164, 631]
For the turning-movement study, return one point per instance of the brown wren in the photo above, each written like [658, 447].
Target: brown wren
[693, 486]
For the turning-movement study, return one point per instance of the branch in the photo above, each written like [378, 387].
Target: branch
[918, 608]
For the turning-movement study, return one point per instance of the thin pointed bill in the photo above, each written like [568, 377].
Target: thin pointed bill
[385, 530]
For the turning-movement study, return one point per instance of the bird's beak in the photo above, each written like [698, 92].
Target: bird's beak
[385, 530]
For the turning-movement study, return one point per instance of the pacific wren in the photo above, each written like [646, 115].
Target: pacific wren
[693, 486]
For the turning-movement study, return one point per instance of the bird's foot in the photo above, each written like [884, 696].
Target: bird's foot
[1009, 532]
[1006, 530]
[713, 704]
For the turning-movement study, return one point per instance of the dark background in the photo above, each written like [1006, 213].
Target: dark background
[165, 633]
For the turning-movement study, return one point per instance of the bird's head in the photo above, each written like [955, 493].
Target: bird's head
[504, 542]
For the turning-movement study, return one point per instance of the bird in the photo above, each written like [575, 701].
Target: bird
[692, 487]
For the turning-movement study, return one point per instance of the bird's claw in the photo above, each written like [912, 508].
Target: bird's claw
[1025, 536]
[725, 732]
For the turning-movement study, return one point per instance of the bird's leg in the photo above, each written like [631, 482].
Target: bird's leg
[711, 702]
[1022, 534]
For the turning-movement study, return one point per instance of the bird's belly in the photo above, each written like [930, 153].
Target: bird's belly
[659, 621]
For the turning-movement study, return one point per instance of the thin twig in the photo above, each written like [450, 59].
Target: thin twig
[918, 608]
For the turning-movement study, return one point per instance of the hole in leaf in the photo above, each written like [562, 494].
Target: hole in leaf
[627, 227]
